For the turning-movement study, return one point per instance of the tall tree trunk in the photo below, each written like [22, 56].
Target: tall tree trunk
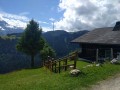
[32, 61]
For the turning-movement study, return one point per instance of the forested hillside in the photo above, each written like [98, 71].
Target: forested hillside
[60, 41]
[10, 59]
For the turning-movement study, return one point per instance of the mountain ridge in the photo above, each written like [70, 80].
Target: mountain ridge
[5, 28]
[11, 59]
[60, 40]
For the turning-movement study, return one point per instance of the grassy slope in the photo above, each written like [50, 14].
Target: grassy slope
[42, 79]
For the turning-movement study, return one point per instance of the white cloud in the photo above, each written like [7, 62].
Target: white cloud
[45, 29]
[88, 14]
[42, 22]
[52, 19]
[19, 20]
[14, 20]
[24, 13]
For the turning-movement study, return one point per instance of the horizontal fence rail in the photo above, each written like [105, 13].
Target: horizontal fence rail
[61, 64]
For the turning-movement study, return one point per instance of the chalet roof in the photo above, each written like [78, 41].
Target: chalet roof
[105, 35]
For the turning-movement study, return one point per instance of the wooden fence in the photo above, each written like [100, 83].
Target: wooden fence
[61, 64]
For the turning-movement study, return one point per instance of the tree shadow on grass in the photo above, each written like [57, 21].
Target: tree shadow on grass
[117, 63]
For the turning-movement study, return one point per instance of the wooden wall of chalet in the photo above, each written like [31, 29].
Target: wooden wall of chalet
[89, 50]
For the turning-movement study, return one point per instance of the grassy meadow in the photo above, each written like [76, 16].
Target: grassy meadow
[43, 79]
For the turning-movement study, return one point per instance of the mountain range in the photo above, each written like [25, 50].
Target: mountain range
[60, 40]
[10, 59]
[5, 28]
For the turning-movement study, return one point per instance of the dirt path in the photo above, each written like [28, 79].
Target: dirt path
[111, 84]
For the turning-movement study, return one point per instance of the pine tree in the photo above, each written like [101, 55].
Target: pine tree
[31, 41]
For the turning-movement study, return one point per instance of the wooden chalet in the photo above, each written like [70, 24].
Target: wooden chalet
[100, 44]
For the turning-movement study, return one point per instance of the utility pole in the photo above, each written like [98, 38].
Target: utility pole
[53, 25]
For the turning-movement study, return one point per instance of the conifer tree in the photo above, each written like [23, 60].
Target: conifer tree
[31, 41]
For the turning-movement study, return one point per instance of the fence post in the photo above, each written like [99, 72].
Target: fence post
[97, 55]
[65, 64]
[52, 65]
[55, 67]
[75, 60]
[59, 66]
[75, 63]
[111, 53]
[49, 64]
[43, 62]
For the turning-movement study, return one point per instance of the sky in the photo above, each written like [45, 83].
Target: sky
[69, 15]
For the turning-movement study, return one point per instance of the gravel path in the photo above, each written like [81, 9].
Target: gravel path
[111, 84]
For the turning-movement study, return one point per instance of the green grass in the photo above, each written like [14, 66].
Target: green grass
[42, 79]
